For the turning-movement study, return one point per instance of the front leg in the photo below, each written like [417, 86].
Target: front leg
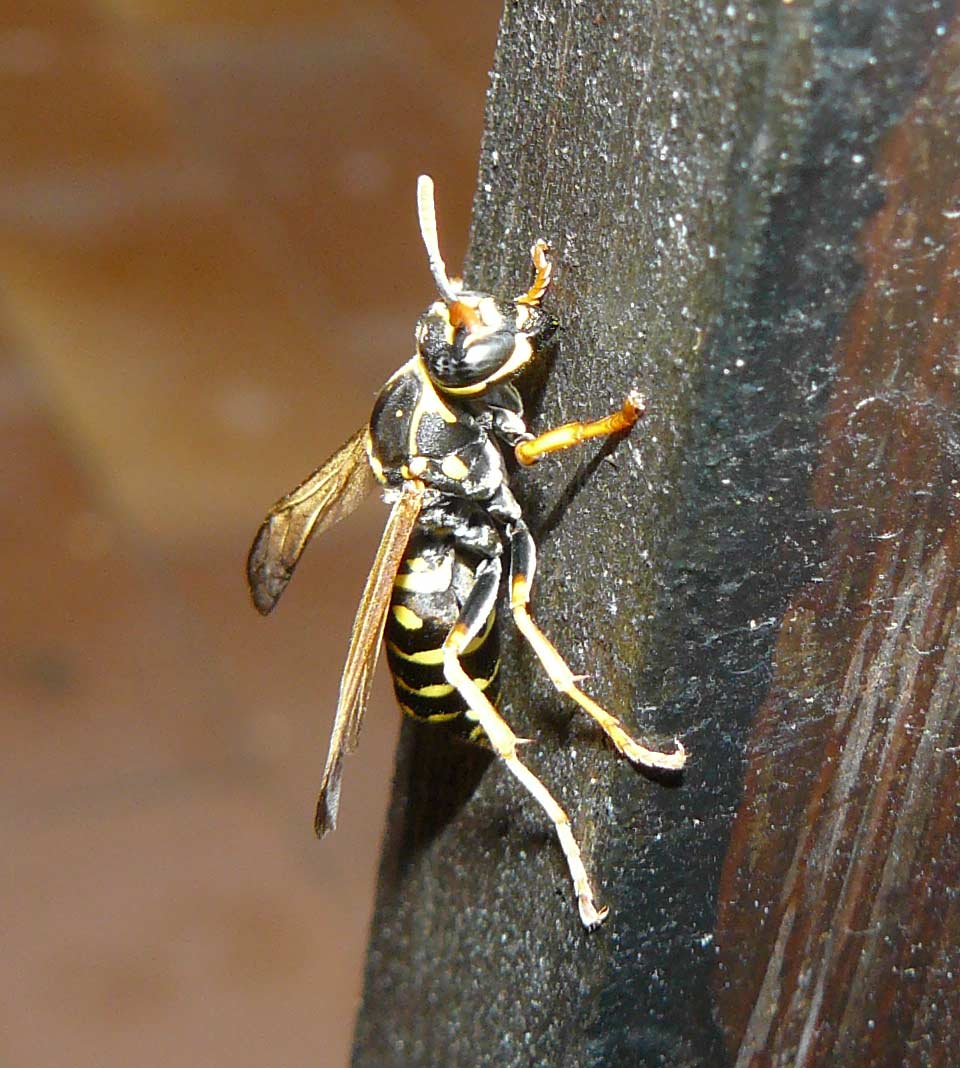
[563, 437]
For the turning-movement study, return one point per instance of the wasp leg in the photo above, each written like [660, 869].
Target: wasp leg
[541, 281]
[563, 437]
[504, 742]
[523, 562]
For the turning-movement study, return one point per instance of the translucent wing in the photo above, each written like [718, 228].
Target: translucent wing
[364, 649]
[330, 493]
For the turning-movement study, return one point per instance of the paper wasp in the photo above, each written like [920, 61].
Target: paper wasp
[435, 443]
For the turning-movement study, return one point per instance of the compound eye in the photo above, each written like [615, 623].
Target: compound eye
[487, 355]
[435, 343]
[434, 331]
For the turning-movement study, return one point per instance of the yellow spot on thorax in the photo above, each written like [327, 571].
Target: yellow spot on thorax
[453, 467]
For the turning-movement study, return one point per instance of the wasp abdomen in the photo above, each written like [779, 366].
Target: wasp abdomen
[428, 595]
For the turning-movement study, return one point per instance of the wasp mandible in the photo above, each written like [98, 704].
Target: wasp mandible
[435, 443]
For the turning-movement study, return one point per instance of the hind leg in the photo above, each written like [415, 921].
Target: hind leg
[503, 741]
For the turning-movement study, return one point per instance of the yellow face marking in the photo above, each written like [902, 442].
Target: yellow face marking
[407, 619]
[490, 313]
[453, 467]
[488, 320]
[417, 465]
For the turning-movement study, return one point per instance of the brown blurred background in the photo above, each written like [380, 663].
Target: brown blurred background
[209, 260]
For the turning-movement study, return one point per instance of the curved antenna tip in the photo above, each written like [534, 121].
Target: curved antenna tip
[428, 231]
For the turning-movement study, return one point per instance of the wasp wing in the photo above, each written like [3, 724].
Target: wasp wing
[330, 493]
[364, 650]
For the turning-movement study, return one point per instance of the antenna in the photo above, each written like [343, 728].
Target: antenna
[428, 230]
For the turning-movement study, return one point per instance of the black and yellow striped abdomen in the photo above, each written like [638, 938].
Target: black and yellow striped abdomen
[429, 592]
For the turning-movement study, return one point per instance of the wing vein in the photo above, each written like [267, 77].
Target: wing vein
[364, 650]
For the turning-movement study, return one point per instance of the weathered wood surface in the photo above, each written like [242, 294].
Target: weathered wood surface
[848, 833]
[755, 214]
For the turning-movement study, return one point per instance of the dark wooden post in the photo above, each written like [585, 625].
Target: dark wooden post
[767, 566]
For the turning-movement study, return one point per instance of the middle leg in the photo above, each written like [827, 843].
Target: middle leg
[523, 562]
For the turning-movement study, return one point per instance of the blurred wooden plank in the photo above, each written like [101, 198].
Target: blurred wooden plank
[193, 242]
[205, 218]
[63, 17]
[172, 344]
[99, 664]
[179, 927]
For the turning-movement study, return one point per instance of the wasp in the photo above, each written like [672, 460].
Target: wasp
[436, 444]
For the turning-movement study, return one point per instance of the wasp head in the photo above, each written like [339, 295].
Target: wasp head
[469, 341]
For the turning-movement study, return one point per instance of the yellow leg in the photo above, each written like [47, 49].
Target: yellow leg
[541, 281]
[566, 682]
[563, 437]
[504, 743]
